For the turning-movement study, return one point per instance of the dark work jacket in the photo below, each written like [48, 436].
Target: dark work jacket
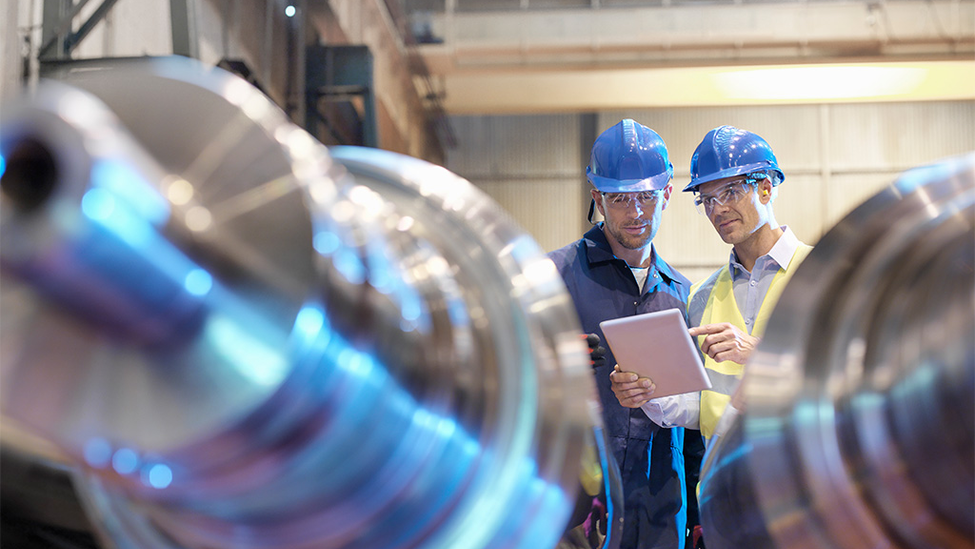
[650, 457]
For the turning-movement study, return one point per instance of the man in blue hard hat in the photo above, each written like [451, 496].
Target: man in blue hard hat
[614, 271]
[735, 177]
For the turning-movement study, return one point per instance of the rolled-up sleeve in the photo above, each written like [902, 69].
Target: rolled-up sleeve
[683, 410]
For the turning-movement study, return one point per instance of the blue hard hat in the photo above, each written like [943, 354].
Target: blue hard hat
[727, 151]
[629, 157]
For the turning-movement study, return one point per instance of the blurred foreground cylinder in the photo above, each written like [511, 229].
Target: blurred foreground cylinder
[245, 341]
[860, 424]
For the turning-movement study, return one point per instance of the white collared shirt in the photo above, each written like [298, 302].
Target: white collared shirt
[750, 287]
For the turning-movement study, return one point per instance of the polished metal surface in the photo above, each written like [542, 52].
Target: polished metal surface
[243, 340]
[859, 429]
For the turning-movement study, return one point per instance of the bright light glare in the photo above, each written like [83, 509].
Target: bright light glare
[125, 461]
[98, 204]
[98, 452]
[255, 359]
[326, 242]
[198, 282]
[819, 82]
[160, 476]
[289, 11]
[310, 320]
[179, 191]
[126, 183]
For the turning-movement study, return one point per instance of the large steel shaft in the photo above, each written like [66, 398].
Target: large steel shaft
[244, 340]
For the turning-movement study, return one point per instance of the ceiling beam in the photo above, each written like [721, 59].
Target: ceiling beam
[583, 59]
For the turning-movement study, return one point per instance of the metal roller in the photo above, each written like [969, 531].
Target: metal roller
[859, 429]
[240, 339]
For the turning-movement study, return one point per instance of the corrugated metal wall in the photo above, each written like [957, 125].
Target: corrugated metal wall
[531, 165]
[834, 156]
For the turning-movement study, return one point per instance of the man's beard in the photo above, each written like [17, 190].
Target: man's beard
[632, 242]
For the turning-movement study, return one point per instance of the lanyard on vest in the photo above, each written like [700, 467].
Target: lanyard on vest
[722, 307]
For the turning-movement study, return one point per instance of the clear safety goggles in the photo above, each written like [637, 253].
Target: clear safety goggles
[729, 194]
[622, 201]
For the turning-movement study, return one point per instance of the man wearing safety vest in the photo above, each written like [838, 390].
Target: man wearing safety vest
[735, 178]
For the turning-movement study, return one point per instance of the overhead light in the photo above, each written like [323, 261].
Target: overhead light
[289, 11]
[612, 88]
[820, 82]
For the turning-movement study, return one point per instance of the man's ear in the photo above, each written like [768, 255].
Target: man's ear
[765, 190]
[667, 190]
[597, 198]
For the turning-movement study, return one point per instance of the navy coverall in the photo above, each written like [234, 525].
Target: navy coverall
[650, 457]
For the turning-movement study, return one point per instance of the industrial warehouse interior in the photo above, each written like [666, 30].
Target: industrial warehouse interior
[275, 273]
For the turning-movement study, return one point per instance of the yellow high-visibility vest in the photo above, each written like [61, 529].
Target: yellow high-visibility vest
[721, 307]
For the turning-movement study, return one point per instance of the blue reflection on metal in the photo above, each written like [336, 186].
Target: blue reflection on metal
[310, 320]
[98, 204]
[380, 279]
[97, 452]
[915, 178]
[326, 242]
[763, 426]
[198, 282]
[103, 207]
[124, 182]
[499, 526]
[234, 339]
[159, 476]
[726, 462]
[383, 273]
[738, 453]
[555, 503]
[428, 421]
[355, 362]
[429, 457]
[921, 381]
[457, 311]
[351, 267]
[524, 249]
[3, 165]
[410, 306]
[136, 263]
[867, 401]
[125, 461]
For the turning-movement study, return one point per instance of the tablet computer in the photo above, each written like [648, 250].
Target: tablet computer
[656, 345]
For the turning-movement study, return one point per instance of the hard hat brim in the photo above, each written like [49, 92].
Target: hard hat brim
[609, 185]
[733, 171]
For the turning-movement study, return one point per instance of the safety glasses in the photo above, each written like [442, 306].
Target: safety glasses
[622, 201]
[729, 194]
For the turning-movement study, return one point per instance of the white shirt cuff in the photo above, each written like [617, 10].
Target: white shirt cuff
[683, 410]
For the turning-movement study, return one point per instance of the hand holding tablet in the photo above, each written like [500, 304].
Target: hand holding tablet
[657, 345]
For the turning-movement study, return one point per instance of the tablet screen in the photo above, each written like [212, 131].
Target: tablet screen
[656, 345]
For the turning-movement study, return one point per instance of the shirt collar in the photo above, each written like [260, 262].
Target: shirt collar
[664, 269]
[597, 247]
[781, 253]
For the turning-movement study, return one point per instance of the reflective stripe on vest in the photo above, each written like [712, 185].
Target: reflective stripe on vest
[721, 307]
